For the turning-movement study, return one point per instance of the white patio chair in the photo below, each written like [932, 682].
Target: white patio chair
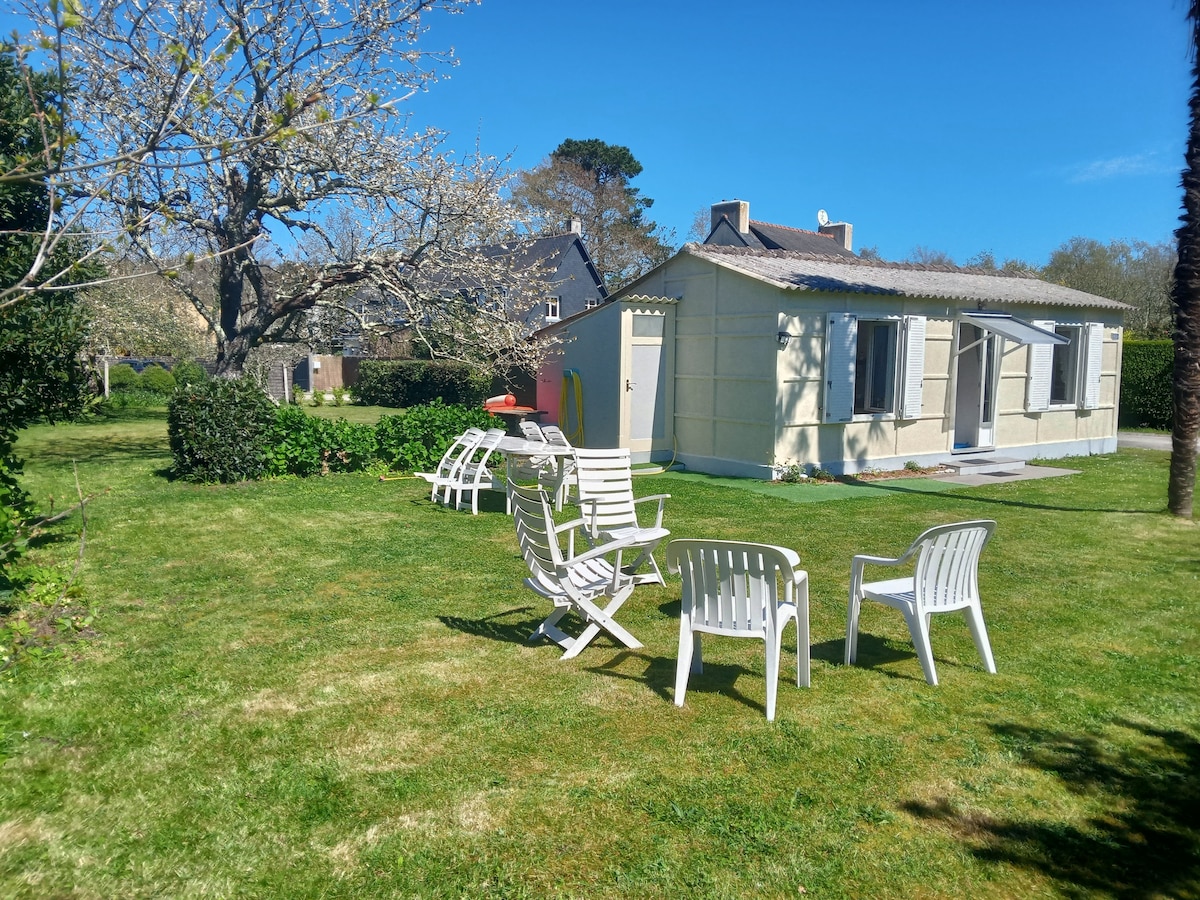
[571, 582]
[529, 468]
[531, 431]
[459, 449]
[473, 473]
[946, 578]
[564, 473]
[604, 485]
[731, 588]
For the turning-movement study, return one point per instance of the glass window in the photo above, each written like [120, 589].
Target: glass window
[648, 326]
[551, 307]
[875, 368]
[1064, 371]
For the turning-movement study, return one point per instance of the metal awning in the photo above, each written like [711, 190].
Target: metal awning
[1008, 326]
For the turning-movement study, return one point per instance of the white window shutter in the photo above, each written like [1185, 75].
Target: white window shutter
[914, 366]
[1041, 364]
[1094, 359]
[841, 347]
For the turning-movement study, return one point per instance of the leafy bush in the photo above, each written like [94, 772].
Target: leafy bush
[404, 383]
[15, 507]
[157, 380]
[1146, 369]
[122, 377]
[304, 445]
[220, 431]
[416, 440]
[189, 372]
[339, 396]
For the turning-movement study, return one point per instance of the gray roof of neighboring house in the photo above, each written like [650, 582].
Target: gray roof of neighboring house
[547, 251]
[813, 272]
[765, 236]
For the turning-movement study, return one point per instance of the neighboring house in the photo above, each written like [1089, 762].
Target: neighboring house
[733, 227]
[573, 286]
[740, 361]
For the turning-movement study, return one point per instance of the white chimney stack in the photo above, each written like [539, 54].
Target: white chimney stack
[736, 211]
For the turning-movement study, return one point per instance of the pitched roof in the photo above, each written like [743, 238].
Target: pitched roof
[545, 251]
[765, 236]
[839, 274]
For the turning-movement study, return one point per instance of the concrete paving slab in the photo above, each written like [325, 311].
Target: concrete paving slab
[1025, 473]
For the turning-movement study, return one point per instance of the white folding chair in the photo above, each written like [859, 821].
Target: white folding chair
[604, 485]
[571, 582]
[945, 579]
[451, 460]
[473, 473]
[731, 588]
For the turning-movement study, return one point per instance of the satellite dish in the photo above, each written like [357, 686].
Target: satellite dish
[822, 218]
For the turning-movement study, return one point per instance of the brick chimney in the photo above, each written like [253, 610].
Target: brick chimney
[736, 211]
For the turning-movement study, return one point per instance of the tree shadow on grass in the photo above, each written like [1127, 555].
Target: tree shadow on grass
[1145, 845]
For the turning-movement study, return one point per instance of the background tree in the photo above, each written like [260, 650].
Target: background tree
[1133, 272]
[252, 123]
[589, 180]
[144, 315]
[1185, 303]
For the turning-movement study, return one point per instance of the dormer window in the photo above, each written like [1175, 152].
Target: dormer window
[552, 309]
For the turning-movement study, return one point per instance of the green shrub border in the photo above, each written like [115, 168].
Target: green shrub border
[223, 431]
[1146, 368]
[403, 384]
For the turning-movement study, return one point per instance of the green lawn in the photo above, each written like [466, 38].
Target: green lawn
[322, 688]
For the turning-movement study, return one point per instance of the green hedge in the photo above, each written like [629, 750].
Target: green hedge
[416, 440]
[220, 430]
[404, 383]
[1146, 384]
[224, 431]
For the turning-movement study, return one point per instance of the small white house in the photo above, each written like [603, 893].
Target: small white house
[739, 360]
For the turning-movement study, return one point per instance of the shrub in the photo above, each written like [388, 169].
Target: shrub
[317, 397]
[404, 383]
[156, 380]
[339, 396]
[416, 440]
[189, 372]
[1146, 370]
[220, 431]
[304, 445]
[122, 377]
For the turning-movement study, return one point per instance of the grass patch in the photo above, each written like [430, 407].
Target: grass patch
[322, 688]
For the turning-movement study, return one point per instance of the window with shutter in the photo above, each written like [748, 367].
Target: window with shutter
[862, 366]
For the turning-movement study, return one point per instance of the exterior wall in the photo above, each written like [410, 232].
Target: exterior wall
[591, 346]
[725, 368]
[573, 284]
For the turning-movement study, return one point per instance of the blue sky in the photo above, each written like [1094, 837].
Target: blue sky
[959, 126]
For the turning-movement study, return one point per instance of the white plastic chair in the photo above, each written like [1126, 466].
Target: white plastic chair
[459, 449]
[571, 582]
[564, 471]
[946, 578]
[604, 485]
[531, 430]
[473, 475]
[731, 588]
[529, 468]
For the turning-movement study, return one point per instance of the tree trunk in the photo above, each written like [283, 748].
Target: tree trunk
[1185, 300]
